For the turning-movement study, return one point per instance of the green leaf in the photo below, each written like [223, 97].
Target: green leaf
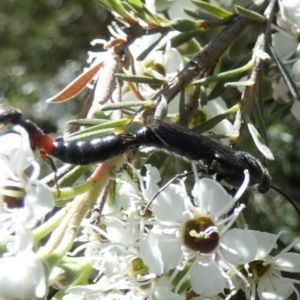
[136, 3]
[182, 38]
[143, 13]
[209, 124]
[239, 83]
[98, 130]
[117, 7]
[198, 15]
[185, 25]
[122, 105]
[145, 53]
[258, 141]
[258, 113]
[217, 90]
[140, 79]
[224, 75]
[72, 176]
[214, 10]
[86, 122]
[250, 14]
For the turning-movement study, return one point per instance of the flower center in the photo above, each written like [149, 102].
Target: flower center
[258, 270]
[201, 235]
[138, 267]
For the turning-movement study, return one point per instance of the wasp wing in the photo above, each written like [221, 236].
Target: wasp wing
[192, 146]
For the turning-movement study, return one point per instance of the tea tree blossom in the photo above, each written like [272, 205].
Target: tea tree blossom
[193, 237]
[285, 43]
[16, 158]
[198, 235]
[22, 275]
[265, 272]
[185, 240]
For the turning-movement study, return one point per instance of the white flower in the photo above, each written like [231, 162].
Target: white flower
[129, 194]
[163, 65]
[214, 108]
[281, 92]
[22, 274]
[183, 233]
[16, 157]
[265, 271]
[284, 40]
[117, 257]
[285, 43]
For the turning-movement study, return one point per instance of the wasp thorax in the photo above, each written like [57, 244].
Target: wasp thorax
[200, 234]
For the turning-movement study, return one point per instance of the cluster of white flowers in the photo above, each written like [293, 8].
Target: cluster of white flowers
[183, 246]
[285, 43]
[24, 201]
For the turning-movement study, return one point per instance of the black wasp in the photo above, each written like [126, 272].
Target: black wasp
[211, 156]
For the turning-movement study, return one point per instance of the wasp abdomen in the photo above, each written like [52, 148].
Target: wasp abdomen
[95, 150]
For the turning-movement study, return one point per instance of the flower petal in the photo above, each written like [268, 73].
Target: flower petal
[210, 196]
[239, 246]
[171, 252]
[273, 288]
[264, 242]
[22, 277]
[151, 254]
[169, 204]
[162, 292]
[207, 280]
[288, 262]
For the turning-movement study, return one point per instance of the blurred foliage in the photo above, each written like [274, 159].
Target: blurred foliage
[44, 46]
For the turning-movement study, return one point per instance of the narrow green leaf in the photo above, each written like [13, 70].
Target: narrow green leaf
[239, 83]
[182, 38]
[198, 15]
[86, 122]
[286, 75]
[83, 135]
[214, 10]
[224, 75]
[250, 14]
[209, 124]
[72, 176]
[185, 25]
[99, 129]
[258, 108]
[143, 13]
[121, 105]
[258, 113]
[116, 6]
[140, 79]
[136, 3]
[145, 53]
[258, 141]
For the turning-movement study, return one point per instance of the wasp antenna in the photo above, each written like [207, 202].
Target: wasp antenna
[286, 197]
[51, 163]
[178, 176]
